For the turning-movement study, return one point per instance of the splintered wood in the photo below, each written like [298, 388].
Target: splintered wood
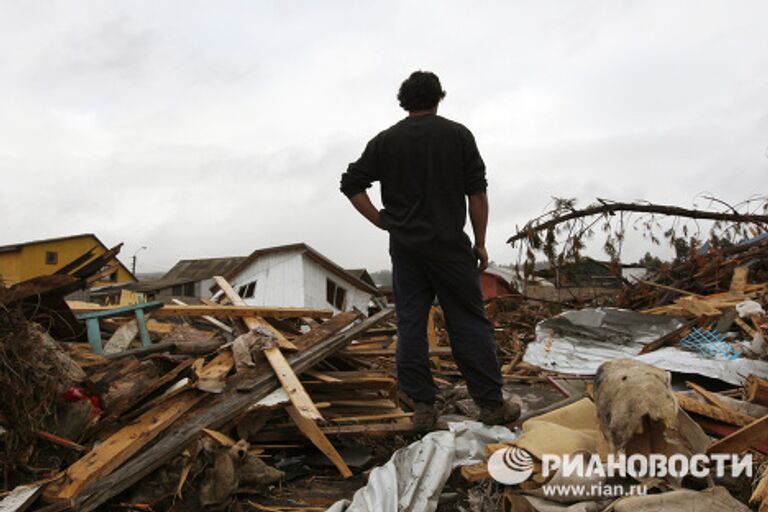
[118, 448]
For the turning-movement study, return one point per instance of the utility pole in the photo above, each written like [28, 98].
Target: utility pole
[133, 260]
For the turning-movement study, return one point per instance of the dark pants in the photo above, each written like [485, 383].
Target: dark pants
[416, 280]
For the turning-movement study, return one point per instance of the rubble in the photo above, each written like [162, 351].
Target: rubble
[234, 407]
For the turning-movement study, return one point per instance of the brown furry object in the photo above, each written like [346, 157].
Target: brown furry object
[626, 392]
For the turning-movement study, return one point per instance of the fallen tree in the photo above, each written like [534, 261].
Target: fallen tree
[569, 227]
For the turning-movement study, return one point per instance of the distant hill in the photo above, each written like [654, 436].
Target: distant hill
[382, 277]
[149, 276]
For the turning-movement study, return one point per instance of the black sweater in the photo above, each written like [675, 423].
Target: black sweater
[427, 165]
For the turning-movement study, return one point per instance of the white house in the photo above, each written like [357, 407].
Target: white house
[296, 275]
[189, 280]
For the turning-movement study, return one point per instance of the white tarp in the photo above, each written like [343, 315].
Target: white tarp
[579, 341]
[412, 480]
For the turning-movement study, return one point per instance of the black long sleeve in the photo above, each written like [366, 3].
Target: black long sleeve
[426, 165]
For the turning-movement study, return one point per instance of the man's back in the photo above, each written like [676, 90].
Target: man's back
[427, 165]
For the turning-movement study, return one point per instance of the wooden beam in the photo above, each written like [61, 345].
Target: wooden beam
[291, 383]
[671, 337]
[692, 405]
[743, 439]
[388, 352]
[310, 429]
[713, 399]
[130, 402]
[211, 377]
[208, 318]
[236, 310]
[122, 338]
[759, 497]
[756, 390]
[739, 280]
[371, 417]
[252, 321]
[120, 446]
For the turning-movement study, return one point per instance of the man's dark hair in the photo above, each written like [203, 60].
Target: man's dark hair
[420, 91]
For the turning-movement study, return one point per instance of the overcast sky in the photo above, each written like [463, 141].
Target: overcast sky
[202, 129]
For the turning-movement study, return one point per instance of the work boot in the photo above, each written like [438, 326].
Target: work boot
[502, 414]
[424, 417]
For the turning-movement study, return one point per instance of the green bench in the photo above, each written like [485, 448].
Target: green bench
[94, 329]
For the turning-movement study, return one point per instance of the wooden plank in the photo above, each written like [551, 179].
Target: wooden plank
[159, 328]
[743, 439]
[252, 321]
[713, 399]
[239, 310]
[121, 338]
[210, 378]
[119, 447]
[670, 337]
[692, 405]
[322, 376]
[322, 331]
[108, 312]
[310, 429]
[236, 310]
[759, 497]
[20, 498]
[697, 307]
[438, 351]
[218, 323]
[222, 439]
[739, 280]
[131, 401]
[756, 390]
[475, 472]
[745, 326]
[371, 417]
[361, 429]
[291, 384]
[378, 403]
[296, 392]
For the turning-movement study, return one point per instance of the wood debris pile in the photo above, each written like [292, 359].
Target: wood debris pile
[225, 406]
[199, 417]
[634, 408]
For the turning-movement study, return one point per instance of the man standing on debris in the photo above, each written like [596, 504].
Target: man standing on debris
[427, 165]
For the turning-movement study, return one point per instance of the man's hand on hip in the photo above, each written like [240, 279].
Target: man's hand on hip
[482, 257]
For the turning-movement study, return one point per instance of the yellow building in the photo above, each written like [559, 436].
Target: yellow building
[22, 261]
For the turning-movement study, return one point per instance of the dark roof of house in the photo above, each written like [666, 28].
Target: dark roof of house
[197, 270]
[311, 253]
[361, 274]
[17, 246]
[155, 285]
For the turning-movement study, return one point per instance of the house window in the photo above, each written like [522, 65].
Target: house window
[335, 294]
[51, 258]
[189, 290]
[248, 290]
[177, 289]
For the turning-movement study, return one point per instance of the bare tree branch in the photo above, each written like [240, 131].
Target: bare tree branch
[607, 208]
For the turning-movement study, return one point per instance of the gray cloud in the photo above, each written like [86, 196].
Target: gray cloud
[207, 129]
